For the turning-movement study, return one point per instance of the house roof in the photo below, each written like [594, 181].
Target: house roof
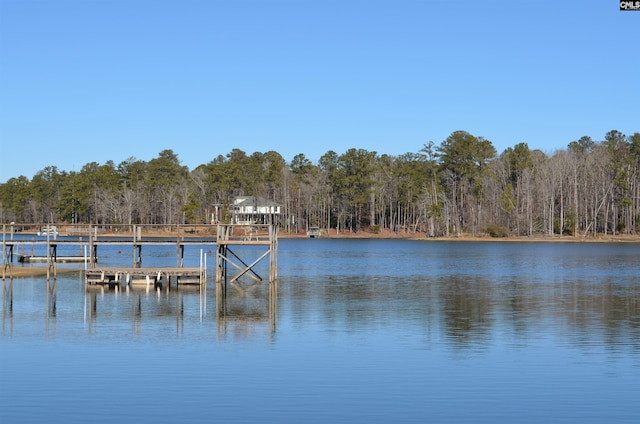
[252, 200]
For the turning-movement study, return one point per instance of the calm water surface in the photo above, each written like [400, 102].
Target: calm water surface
[359, 331]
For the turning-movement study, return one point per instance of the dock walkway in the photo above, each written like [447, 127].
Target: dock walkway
[145, 276]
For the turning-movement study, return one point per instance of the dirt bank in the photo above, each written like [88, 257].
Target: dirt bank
[19, 271]
[422, 236]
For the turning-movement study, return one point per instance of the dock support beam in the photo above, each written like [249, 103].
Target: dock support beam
[137, 247]
[137, 255]
[225, 256]
[52, 253]
[273, 253]
[179, 254]
[93, 249]
[7, 254]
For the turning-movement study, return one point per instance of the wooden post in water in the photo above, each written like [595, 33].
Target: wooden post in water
[203, 270]
[134, 245]
[221, 253]
[137, 247]
[179, 254]
[7, 257]
[273, 252]
[4, 251]
[92, 249]
[52, 253]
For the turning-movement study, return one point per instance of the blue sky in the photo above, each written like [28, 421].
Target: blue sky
[97, 80]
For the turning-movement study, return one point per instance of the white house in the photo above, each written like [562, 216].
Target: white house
[247, 210]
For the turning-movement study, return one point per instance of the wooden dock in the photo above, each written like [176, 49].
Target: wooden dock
[149, 277]
[234, 244]
[266, 236]
[228, 237]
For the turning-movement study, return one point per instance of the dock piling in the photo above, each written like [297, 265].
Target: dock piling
[225, 255]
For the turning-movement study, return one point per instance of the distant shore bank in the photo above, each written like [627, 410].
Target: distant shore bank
[408, 235]
[386, 234]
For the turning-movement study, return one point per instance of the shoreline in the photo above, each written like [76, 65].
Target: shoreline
[19, 272]
[390, 235]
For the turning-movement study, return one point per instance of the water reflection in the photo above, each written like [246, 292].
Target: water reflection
[463, 296]
[240, 311]
[471, 312]
[438, 332]
[467, 312]
[140, 304]
[7, 306]
[51, 306]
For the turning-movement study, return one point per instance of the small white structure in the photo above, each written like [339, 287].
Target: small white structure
[314, 232]
[50, 230]
[248, 210]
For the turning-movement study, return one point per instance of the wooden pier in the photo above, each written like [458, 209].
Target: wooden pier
[94, 275]
[147, 277]
[264, 235]
[240, 248]
[228, 240]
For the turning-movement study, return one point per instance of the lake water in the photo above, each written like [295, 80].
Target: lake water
[371, 331]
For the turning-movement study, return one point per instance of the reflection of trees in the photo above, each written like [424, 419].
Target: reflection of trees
[357, 303]
[470, 312]
[605, 311]
[467, 310]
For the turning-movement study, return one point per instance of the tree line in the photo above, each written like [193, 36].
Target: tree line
[460, 186]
